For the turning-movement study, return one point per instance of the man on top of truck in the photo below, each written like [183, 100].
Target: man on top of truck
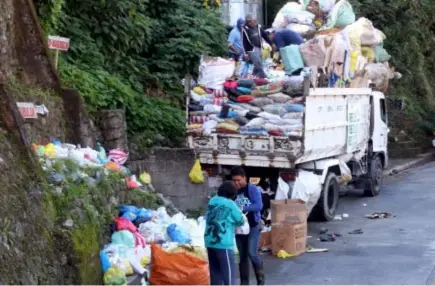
[250, 202]
[252, 36]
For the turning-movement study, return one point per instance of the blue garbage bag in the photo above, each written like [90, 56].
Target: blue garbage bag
[291, 58]
[144, 214]
[294, 107]
[124, 237]
[105, 261]
[129, 215]
[177, 234]
[127, 209]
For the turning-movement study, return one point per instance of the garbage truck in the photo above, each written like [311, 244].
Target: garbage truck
[343, 143]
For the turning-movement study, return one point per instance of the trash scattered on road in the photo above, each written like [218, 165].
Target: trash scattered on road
[284, 254]
[338, 217]
[327, 237]
[345, 216]
[323, 230]
[377, 215]
[356, 231]
[364, 205]
[311, 249]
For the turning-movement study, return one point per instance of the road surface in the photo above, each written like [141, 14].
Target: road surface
[398, 250]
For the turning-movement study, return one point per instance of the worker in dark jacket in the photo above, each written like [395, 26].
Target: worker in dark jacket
[252, 36]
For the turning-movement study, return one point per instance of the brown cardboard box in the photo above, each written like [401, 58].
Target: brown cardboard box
[265, 240]
[288, 211]
[291, 237]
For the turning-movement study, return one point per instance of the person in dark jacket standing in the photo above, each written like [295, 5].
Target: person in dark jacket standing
[252, 36]
[250, 202]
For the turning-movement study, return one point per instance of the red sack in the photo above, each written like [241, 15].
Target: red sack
[260, 81]
[177, 268]
[230, 84]
[245, 98]
[125, 224]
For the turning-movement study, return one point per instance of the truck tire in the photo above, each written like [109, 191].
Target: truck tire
[373, 187]
[328, 201]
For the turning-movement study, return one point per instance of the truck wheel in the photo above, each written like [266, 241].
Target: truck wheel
[373, 187]
[328, 201]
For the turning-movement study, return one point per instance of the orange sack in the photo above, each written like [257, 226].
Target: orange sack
[177, 268]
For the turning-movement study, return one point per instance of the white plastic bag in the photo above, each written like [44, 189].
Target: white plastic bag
[214, 71]
[244, 229]
[280, 21]
[307, 188]
[300, 17]
[282, 191]
[300, 28]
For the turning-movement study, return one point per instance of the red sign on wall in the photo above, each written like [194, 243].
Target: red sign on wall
[27, 110]
[58, 43]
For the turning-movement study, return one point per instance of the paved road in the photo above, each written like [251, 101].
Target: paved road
[398, 250]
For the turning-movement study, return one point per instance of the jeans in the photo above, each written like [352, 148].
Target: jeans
[257, 60]
[222, 266]
[248, 246]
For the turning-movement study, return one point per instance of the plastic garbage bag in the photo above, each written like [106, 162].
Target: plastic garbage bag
[300, 17]
[153, 232]
[129, 216]
[196, 176]
[105, 261]
[314, 52]
[213, 72]
[301, 28]
[294, 108]
[124, 237]
[255, 123]
[244, 229]
[340, 16]
[177, 268]
[177, 234]
[261, 101]
[277, 109]
[162, 215]
[292, 59]
[381, 55]
[280, 21]
[268, 116]
[124, 224]
[307, 188]
[145, 178]
[279, 97]
[115, 276]
[282, 191]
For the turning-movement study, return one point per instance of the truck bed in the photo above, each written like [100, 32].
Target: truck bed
[336, 122]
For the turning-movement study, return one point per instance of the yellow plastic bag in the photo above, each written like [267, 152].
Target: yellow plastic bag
[369, 52]
[198, 90]
[145, 178]
[115, 276]
[196, 176]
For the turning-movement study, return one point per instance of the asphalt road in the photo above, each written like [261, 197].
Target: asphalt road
[398, 250]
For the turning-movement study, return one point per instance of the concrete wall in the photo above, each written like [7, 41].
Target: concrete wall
[169, 170]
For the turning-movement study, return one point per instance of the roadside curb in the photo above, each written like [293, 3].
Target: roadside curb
[421, 160]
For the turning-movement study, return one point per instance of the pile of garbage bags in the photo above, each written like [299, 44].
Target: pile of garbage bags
[86, 158]
[224, 103]
[348, 52]
[156, 246]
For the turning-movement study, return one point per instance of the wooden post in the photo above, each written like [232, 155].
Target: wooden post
[56, 58]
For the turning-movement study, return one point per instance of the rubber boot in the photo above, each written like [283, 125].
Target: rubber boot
[244, 273]
[259, 274]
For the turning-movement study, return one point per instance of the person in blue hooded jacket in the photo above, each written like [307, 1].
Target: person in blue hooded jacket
[235, 41]
[250, 201]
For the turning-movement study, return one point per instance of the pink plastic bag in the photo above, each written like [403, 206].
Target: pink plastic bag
[124, 224]
[118, 156]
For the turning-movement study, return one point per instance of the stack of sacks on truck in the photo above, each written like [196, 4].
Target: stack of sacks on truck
[340, 50]
[272, 106]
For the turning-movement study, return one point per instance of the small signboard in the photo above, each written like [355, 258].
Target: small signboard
[27, 110]
[58, 43]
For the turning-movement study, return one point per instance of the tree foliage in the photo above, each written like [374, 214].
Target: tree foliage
[121, 48]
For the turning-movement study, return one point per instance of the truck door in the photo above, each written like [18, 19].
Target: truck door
[380, 123]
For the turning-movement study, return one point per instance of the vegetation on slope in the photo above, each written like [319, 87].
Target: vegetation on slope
[133, 54]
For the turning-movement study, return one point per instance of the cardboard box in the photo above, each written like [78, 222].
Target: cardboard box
[265, 240]
[291, 237]
[288, 211]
